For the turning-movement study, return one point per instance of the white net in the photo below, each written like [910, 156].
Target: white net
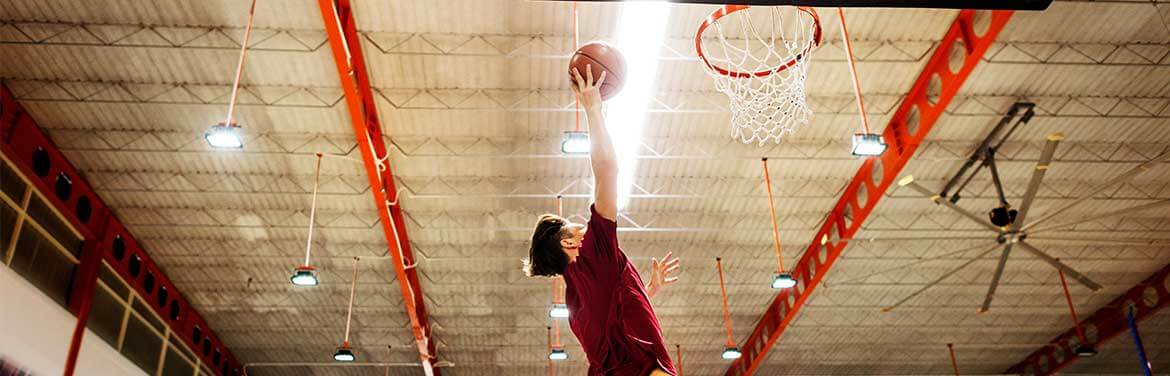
[759, 58]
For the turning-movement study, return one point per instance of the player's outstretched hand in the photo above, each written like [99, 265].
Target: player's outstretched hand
[661, 273]
[588, 91]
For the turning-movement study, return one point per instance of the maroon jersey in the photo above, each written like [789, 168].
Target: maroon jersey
[611, 314]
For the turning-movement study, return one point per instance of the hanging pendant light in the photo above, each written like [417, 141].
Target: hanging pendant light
[306, 275]
[865, 144]
[782, 279]
[731, 351]
[226, 135]
[345, 353]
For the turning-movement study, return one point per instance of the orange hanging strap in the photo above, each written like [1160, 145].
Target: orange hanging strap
[853, 70]
[1073, 311]
[549, 370]
[954, 363]
[723, 293]
[576, 45]
[775, 225]
[678, 354]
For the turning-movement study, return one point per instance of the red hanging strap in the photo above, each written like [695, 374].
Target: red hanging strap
[853, 70]
[775, 225]
[954, 363]
[1073, 311]
[576, 45]
[723, 293]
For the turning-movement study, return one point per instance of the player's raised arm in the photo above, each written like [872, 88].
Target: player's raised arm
[601, 155]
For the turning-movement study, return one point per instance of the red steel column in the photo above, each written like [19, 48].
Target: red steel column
[1147, 298]
[952, 61]
[359, 98]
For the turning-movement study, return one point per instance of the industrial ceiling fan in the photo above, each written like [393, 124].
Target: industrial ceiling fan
[1007, 223]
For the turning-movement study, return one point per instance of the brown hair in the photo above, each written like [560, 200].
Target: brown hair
[546, 257]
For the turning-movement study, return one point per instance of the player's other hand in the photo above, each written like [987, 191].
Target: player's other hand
[587, 89]
[662, 273]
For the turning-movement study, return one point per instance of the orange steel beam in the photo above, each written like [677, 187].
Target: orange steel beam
[1146, 298]
[952, 61]
[359, 98]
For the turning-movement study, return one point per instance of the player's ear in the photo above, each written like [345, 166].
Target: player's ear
[567, 243]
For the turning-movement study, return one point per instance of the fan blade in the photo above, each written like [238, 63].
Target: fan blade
[1059, 265]
[1165, 155]
[1003, 257]
[909, 182]
[1038, 176]
[940, 279]
[1129, 210]
[900, 267]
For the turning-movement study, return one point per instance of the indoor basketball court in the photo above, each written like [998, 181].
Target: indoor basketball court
[804, 187]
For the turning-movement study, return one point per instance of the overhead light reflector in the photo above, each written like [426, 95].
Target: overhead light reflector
[344, 354]
[558, 354]
[783, 280]
[575, 143]
[559, 311]
[224, 136]
[868, 145]
[731, 353]
[304, 275]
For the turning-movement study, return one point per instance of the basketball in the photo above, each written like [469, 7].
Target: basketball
[601, 57]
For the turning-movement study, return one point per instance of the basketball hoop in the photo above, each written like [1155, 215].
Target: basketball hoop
[759, 59]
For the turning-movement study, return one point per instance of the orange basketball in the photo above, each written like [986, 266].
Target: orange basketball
[601, 57]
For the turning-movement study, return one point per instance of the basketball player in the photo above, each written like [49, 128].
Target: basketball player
[610, 307]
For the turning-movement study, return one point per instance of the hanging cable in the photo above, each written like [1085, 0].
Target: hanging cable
[313, 209]
[853, 70]
[576, 45]
[723, 294]
[352, 292]
[1071, 309]
[240, 66]
[954, 363]
[678, 354]
[549, 370]
[1137, 340]
[775, 224]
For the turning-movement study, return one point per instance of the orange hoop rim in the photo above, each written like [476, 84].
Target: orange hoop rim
[725, 10]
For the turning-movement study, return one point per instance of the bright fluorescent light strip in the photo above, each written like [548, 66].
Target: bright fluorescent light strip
[641, 32]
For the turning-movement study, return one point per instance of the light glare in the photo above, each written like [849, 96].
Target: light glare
[640, 36]
[558, 354]
[731, 353]
[783, 281]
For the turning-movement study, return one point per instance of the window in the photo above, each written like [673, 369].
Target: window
[35, 241]
[161, 297]
[175, 310]
[148, 283]
[125, 320]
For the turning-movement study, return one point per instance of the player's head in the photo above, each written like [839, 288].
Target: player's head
[555, 242]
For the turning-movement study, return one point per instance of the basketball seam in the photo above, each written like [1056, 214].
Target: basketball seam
[603, 67]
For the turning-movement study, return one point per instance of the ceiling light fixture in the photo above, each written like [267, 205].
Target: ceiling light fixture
[868, 145]
[641, 31]
[344, 354]
[558, 353]
[226, 135]
[559, 311]
[865, 144]
[305, 275]
[575, 143]
[782, 280]
[731, 351]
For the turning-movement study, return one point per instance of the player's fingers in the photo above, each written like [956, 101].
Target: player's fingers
[601, 80]
[579, 83]
[589, 75]
[671, 269]
[671, 262]
[668, 253]
[670, 280]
